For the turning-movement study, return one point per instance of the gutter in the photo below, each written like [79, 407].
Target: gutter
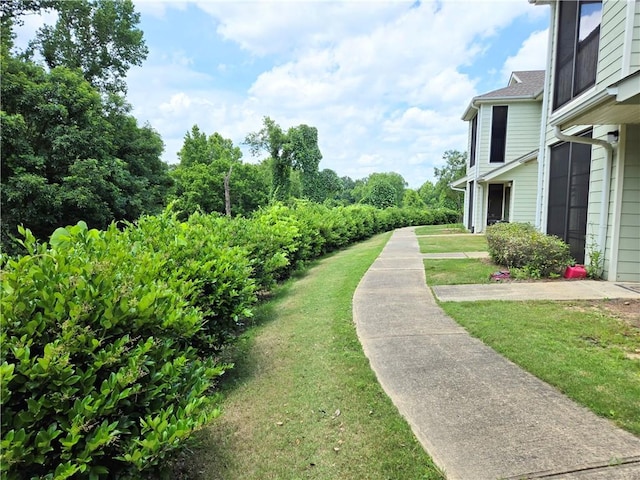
[606, 180]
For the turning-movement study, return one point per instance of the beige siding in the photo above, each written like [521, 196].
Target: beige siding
[523, 129]
[523, 132]
[635, 44]
[484, 134]
[612, 34]
[629, 243]
[523, 191]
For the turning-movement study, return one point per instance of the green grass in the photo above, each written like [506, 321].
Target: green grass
[441, 229]
[579, 347]
[457, 243]
[459, 271]
[302, 401]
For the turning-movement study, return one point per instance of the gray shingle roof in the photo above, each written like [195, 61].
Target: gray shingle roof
[528, 83]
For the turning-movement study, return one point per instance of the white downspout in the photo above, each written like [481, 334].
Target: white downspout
[606, 180]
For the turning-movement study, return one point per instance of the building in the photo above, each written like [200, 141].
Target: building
[589, 160]
[502, 171]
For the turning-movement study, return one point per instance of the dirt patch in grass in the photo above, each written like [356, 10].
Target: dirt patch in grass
[624, 309]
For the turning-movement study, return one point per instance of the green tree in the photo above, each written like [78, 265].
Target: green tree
[381, 194]
[198, 148]
[428, 194]
[412, 199]
[295, 149]
[99, 37]
[381, 189]
[454, 168]
[200, 176]
[69, 156]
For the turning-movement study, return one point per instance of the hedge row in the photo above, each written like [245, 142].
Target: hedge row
[521, 246]
[107, 338]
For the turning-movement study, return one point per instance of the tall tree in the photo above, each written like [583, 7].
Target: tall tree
[68, 156]
[99, 37]
[381, 189]
[454, 168]
[207, 164]
[295, 149]
[198, 148]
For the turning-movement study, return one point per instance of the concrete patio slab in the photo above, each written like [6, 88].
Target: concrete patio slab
[552, 290]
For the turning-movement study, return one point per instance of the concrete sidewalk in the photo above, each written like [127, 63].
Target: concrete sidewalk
[477, 414]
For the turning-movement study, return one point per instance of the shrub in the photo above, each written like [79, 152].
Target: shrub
[521, 246]
[196, 253]
[97, 372]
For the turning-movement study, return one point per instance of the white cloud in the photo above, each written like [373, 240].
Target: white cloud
[158, 8]
[531, 56]
[382, 81]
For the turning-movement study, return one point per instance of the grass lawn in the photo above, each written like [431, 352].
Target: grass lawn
[441, 229]
[457, 243]
[589, 350]
[302, 401]
[459, 271]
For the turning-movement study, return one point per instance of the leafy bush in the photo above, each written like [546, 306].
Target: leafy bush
[521, 246]
[196, 253]
[97, 372]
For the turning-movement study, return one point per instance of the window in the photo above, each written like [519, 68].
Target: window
[474, 135]
[569, 173]
[498, 134]
[577, 51]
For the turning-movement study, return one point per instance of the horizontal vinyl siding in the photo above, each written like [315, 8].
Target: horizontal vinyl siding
[523, 129]
[635, 44]
[629, 243]
[525, 184]
[484, 134]
[524, 191]
[612, 33]
[523, 132]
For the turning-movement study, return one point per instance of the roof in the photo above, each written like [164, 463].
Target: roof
[523, 85]
[507, 167]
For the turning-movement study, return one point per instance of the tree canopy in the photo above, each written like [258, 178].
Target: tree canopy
[205, 161]
[98, 37]
[295, 149]
[69, 152]
[440, 194]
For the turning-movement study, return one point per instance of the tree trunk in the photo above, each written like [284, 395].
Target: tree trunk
[227, 193]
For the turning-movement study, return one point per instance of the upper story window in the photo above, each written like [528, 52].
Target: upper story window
[577, 48]
[498, 134]
[474, 137]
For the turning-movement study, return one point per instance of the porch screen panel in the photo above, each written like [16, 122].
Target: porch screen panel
[587, 48]
[580, 172]
[569, 175]
[565, 52]
[558, 180]
[578, 42]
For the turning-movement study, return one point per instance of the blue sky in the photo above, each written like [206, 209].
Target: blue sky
[385, 82]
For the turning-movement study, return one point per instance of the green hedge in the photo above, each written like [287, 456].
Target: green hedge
[107, 337]
[98, 376]
[521, 246]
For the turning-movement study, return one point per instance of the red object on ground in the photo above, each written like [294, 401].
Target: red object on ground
[577, 271]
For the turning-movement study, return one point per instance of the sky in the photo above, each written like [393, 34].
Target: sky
[384, 82]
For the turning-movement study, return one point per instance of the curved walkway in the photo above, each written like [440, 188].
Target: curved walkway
[477, 414]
